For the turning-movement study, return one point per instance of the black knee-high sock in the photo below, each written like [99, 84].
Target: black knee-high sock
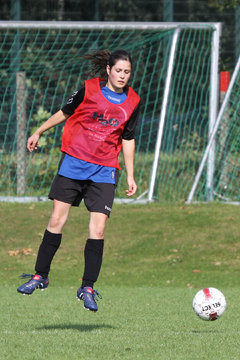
[93, 254]
[46, 252]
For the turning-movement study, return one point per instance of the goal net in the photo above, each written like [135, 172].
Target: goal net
[225, 138]
[175, 73]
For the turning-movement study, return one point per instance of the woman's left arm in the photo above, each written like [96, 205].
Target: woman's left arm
[128, 147]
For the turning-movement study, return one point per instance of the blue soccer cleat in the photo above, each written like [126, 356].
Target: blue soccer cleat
[88, 295]
[36, 282]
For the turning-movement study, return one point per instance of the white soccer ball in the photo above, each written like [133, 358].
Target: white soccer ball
[209, 304]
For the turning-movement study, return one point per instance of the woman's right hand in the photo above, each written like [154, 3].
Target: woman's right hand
[57, 118]
[32, 143]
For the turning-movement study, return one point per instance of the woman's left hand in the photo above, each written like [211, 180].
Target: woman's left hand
[132, 187]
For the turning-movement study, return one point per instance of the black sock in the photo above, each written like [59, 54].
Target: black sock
[46, 252]
[93, 254]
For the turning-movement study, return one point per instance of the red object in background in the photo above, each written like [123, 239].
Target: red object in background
[224, 80]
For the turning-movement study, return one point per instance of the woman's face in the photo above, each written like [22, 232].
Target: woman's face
[118, 75]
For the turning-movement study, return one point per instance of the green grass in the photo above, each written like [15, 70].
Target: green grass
[156, 258]
[161, 326]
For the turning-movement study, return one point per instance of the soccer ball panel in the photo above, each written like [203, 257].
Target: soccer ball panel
[209, 304]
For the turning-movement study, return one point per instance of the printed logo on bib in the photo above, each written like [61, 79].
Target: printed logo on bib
[111, 122]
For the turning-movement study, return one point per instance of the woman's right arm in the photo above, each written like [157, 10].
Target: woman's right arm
[54, 120]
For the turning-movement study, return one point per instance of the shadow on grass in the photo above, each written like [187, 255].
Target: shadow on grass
[205, 331]
[78, 327]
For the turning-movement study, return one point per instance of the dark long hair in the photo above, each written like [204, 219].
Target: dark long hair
[101, 58]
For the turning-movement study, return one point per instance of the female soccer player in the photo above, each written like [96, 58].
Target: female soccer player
[100, 120]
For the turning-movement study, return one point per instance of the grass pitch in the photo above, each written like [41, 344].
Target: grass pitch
[156, 258]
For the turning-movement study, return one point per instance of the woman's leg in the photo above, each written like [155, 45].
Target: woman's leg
[50, 243]
[93, 251]
[52, 237]
[97, 225]
[58, 217]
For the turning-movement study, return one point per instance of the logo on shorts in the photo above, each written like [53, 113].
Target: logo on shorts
[108, 208]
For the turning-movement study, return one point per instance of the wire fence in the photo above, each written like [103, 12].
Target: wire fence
[226, 12]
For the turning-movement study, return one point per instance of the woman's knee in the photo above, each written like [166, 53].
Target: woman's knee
[58, 217]
[56, 221]
[97, 226]
[96, 231]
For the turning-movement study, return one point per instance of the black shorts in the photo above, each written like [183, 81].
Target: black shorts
[98, 197]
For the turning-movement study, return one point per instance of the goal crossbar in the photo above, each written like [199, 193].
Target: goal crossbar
[112, 25]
